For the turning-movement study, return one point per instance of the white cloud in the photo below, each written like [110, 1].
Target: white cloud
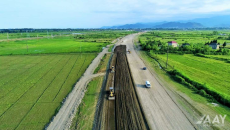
[96, 13]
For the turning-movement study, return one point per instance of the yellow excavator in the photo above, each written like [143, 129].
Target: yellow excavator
[129, 51]
[111, 93]
[112, 69]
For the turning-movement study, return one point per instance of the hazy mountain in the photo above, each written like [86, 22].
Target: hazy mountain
[133, 26]
[218, 21]
[179, 25]
[157, 25]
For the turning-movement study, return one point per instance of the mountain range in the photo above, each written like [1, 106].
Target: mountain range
[218, 21]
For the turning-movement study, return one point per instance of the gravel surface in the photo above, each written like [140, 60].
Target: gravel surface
[65, 115]
[161, 111]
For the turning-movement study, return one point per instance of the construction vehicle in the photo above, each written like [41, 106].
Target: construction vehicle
[129, 51]
[111, 93]
[112, 69]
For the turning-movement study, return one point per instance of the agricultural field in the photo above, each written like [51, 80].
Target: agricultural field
[202, 72]
[33, 87]
[37, 74]
[192, 37]
[216, 72]
[201, 103]
[220, 56]
[90, 34]
[56, 45]
[76, 43]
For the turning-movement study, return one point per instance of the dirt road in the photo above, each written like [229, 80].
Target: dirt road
[63, 119]
[161, 112]
[127, 108]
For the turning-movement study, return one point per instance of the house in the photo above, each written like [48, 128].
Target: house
[185, 44]
[214, 45]
[173, 43]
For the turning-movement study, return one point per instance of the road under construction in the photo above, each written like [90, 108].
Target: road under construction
[125, 112]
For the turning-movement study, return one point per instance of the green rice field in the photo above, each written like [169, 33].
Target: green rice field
[56, 45]
[32, 87]
[214, 73]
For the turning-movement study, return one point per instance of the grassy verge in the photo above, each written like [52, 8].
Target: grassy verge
[110, 48]
[85, 113]
[225, 58]
[102, 66]
[190, 70]
[201, 103]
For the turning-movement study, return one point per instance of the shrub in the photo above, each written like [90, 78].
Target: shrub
[201, 89]
[202, 92]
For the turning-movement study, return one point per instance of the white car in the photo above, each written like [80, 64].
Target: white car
[147, 84]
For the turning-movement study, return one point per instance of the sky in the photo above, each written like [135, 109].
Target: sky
[98, 13]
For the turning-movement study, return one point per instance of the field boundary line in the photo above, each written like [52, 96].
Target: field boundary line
[26, 78]
[42, 94]
[68, 76]
[30, 88]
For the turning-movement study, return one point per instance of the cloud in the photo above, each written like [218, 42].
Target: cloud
[96, 13]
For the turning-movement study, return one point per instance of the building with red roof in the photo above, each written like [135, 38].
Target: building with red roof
[172, 43]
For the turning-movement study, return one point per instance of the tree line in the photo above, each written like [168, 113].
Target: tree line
[161, 47]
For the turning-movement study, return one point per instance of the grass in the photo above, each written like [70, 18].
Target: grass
[192, 37]
[102, 66]
[85, 114]
[211, 72]
[199, 102]
[56, 45]
[32, 87]
[34, 81]
[110, 48]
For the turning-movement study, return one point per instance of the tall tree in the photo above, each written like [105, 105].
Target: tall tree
[224, 44]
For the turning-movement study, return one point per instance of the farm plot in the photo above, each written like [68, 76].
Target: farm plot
[44, 46]
[33, 87]
[213, 73]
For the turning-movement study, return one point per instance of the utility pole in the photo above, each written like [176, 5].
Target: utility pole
[27, 40]
[167, 57]
[7, 36]
[27, 44]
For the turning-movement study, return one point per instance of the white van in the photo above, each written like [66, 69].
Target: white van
[147, 84]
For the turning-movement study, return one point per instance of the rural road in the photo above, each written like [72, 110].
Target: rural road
[63, 118]
[160, 110]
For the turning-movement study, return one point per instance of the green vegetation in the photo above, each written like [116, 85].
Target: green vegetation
[197, 70]
[199, 74]
[196, 42]
[35, 81]
[33, 87]
[87, 42]
[103, 64]
[85, 114]
[110, 48]
[200, 102]
[56, 45]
